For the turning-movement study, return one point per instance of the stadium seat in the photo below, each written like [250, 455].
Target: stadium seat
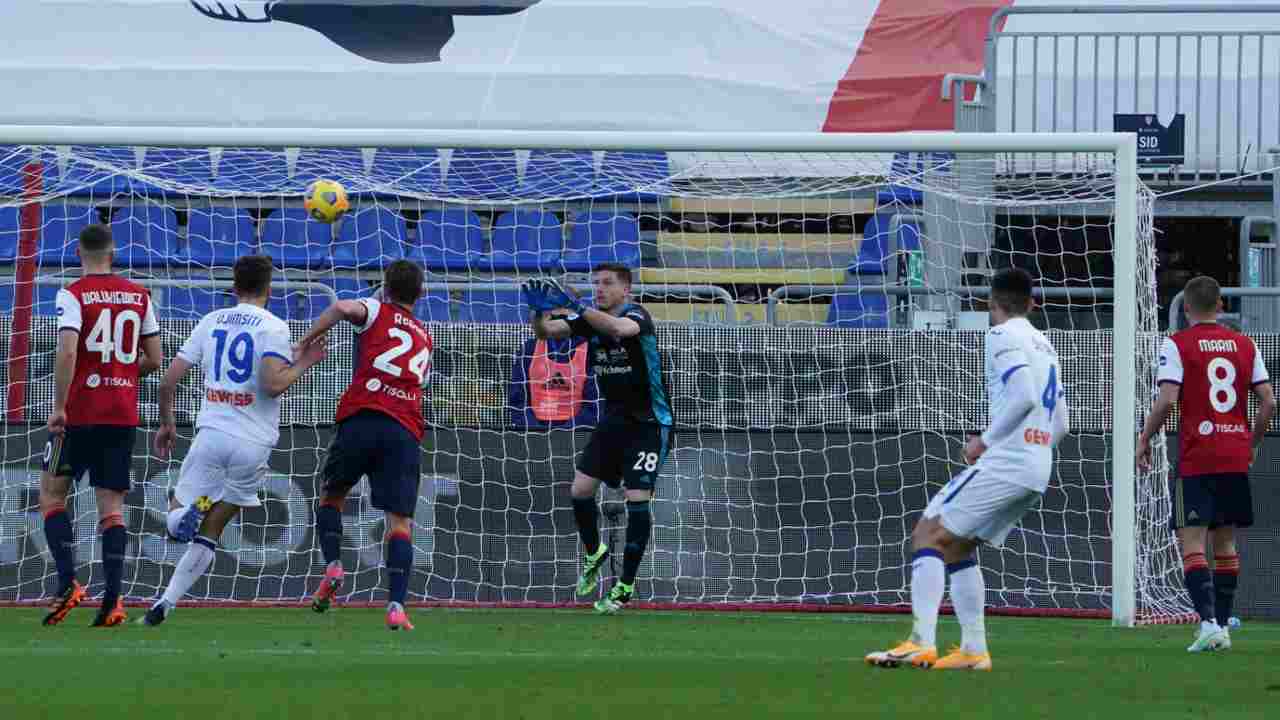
[475, 174]
[626, 174]
[293, 240]
[8, 234]
[175, 171]
[599, 237]
[146, 236]
[254, 170]
[60, 233]
[559, 174]
[92, 171]
[191, 303]
[369, 238]
[350, 288]
[523, 240]
[346, 165]
[448, 240]
[859, 310]
[877, 248]
[217, 236]
[412, 169]
[298, 304]
[45, 297]
[493, 306]
[433, 307]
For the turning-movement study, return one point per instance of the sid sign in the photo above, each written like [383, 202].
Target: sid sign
[1157, 144]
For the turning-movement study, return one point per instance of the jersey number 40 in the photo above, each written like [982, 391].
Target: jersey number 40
[417, 364]
[108, 338]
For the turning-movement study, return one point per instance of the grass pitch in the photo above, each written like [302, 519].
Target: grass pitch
[291, 663]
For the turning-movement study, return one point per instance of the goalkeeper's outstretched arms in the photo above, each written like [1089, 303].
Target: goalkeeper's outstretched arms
[547, 294]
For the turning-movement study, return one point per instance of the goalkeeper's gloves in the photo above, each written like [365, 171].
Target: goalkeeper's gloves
[560, 296]
[535, 295]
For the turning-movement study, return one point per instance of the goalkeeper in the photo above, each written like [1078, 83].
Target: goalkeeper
[631, 442]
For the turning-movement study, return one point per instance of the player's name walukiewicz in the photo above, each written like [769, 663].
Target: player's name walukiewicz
[239, 318]
[111, 297]
[1217, 346]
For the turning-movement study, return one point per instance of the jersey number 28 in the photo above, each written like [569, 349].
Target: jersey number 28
[404, 343]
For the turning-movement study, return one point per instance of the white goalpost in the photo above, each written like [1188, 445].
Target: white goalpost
[820, 299]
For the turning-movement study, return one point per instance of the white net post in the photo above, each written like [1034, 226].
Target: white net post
[806, 448]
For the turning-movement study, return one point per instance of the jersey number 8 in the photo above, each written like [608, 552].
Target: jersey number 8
[1222, 390]
[417, 364]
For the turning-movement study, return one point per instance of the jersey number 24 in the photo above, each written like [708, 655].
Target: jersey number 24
[404, 343]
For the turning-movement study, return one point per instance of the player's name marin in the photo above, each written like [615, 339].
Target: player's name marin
[239, 318]
[1218, 346]
[110, 297]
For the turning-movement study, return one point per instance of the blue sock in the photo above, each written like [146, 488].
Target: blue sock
[329, 532]
[113, 541]
[584, 511]
[399, 560]
[639, 525]
[59, 536]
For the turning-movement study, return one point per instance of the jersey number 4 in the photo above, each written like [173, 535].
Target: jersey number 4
[1050, 396]
[108, 338]
[404, 343]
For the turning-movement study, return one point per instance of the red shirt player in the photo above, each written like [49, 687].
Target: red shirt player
[103, 322]
[379, 428]
[1210, 370]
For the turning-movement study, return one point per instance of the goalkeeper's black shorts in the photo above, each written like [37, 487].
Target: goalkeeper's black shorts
[626, 453]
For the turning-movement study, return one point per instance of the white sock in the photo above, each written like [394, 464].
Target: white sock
[174, 519]
[194, 563]
[928, 581]
[969, 597]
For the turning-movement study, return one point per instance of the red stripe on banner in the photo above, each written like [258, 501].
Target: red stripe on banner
[895, 80]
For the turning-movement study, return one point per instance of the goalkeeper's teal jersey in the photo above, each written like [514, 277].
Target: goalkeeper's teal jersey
[628, 371]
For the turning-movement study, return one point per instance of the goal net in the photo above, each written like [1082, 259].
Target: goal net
[820, 317]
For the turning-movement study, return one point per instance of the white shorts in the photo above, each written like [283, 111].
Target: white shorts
[223, 467]
[979, 505]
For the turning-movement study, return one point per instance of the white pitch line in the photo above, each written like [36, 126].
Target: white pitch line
[441, 654]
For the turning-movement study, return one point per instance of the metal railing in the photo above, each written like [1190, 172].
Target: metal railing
[1176, 315]
[674, 289]
[807, 291]
[1224, 80]
[289, 286]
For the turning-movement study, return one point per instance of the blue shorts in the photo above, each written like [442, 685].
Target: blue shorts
[103, 451]
[373, 444]
[1211, 501]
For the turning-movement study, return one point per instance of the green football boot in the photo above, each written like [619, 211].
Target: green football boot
[591, 570]
[617, 598]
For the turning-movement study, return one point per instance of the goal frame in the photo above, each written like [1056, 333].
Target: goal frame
[1122, 145]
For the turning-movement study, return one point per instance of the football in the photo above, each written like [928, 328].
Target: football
[326, 201]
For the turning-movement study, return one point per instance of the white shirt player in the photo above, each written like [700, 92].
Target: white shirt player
[1023, 370]
[229, 346]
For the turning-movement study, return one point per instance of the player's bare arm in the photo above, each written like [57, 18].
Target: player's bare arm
[545, 327]
[1155, 420]
[1266, 411]
[152, 356]
[167, 433]
[64, 370]
[351, 311]
[278, 376]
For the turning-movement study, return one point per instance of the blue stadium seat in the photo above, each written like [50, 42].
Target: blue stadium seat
[60, 233]
[523, 240]
[9, 228]
[877, 247]
[433, 307]
[475, 174]
[146, 236]
[602, 237]
[255, 170]
[369, 238]
[626, 174]
[45, 297]
[303, 305]
[217, 236]
[175, 170]
[348, 288]
[346, 165]
[448, 240]
[559, 174]
[493, 306]
[859, 310]
[192, 303]
[412, 169]
[294, 240]
[84, 174]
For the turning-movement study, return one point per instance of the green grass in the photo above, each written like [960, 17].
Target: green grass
[283, 664]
